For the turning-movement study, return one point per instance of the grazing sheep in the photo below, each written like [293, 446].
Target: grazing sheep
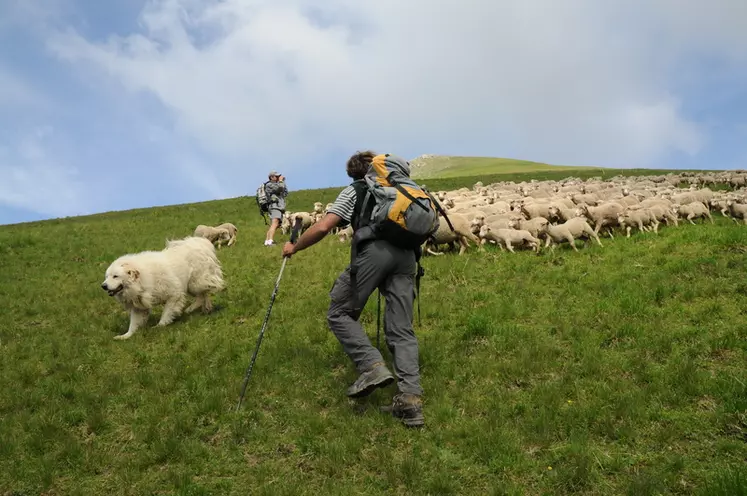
[217, 236]
[570, 230]
[509, 237]
[232, 230]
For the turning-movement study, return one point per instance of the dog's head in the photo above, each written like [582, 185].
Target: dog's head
[118, 276]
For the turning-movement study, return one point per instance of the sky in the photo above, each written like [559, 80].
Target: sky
[119, 104]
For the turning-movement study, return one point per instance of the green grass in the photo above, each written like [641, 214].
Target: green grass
[616, 370]
[491, 169]
[456, 166]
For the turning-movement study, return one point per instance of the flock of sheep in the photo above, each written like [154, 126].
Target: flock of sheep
[531, 214]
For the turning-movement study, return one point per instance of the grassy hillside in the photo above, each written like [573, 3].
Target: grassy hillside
[443, 166]
[616, 370]
[484, 168]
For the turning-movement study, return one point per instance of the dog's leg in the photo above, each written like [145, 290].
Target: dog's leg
[171, 310]
[199, 302]
[138, 318]
[207, 304]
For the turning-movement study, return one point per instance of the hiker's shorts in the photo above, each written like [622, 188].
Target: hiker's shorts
[275, 213]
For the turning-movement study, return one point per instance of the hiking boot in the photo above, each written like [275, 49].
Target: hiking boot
[408, 408]
[376, 376]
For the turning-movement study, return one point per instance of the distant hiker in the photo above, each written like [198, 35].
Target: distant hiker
[276, 192]
[379, 263]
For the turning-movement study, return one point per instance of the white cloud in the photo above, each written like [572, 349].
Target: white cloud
[32, 177]
[579, 81]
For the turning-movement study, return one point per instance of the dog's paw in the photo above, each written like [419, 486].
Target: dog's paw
[122, 336]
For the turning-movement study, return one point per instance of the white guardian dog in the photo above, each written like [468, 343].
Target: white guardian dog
[143, 280]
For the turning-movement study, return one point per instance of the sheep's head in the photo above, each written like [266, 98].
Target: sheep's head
[553, 211]
[513, 223]
[476, 224]
[484, 230]
[318, 207]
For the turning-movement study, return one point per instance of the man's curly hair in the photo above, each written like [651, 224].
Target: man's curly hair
[359, 163]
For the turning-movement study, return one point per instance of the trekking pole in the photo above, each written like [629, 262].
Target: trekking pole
[378, 319]
[294, 235]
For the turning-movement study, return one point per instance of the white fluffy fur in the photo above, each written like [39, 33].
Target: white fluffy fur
[143, 280]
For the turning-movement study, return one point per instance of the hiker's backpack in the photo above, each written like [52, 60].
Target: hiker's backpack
[390, 205]
[263, 201]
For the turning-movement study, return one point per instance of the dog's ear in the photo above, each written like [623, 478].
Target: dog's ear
[131, 271]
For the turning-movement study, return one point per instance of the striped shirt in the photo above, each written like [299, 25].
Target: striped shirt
[344, 204]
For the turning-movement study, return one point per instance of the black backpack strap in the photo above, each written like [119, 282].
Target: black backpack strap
[359, 220]
[439, 208]
[402, 190]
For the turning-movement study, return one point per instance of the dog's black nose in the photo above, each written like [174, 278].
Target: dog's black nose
[103, 285]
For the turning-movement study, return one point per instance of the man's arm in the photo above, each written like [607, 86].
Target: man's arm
[313, 235]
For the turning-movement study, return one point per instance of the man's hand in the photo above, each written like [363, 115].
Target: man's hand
[288, 249]
[281, 178]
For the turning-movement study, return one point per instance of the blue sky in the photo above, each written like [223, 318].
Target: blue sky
[127, 103]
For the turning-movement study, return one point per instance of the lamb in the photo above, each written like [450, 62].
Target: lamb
[576, 227]
[215, 235]
[444, 234]
[345, 234]
[640, 218]
[693, 210]
[602, 215]
[509, 237]
[232, 230]
[737, 211]
[558, 213]
[534, 226]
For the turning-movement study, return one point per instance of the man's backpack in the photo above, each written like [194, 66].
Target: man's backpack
[390, 205]
[263, 201]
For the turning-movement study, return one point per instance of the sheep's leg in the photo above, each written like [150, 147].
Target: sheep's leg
[464, 244]
[572, 242]
[656, 226]
[592, 234]
[627, 228]
[508, 246]
[709, 216]
[690, 218]
[744, 218]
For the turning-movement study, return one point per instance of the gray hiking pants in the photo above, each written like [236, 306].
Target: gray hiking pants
[392, 271]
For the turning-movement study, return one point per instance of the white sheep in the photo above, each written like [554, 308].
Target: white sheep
[232, 230]
[693, 210]
[217, 236]
[444, 235]
[535, 225]
[509, 237]
[737, 211]
[641, 218]
[570, 230]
